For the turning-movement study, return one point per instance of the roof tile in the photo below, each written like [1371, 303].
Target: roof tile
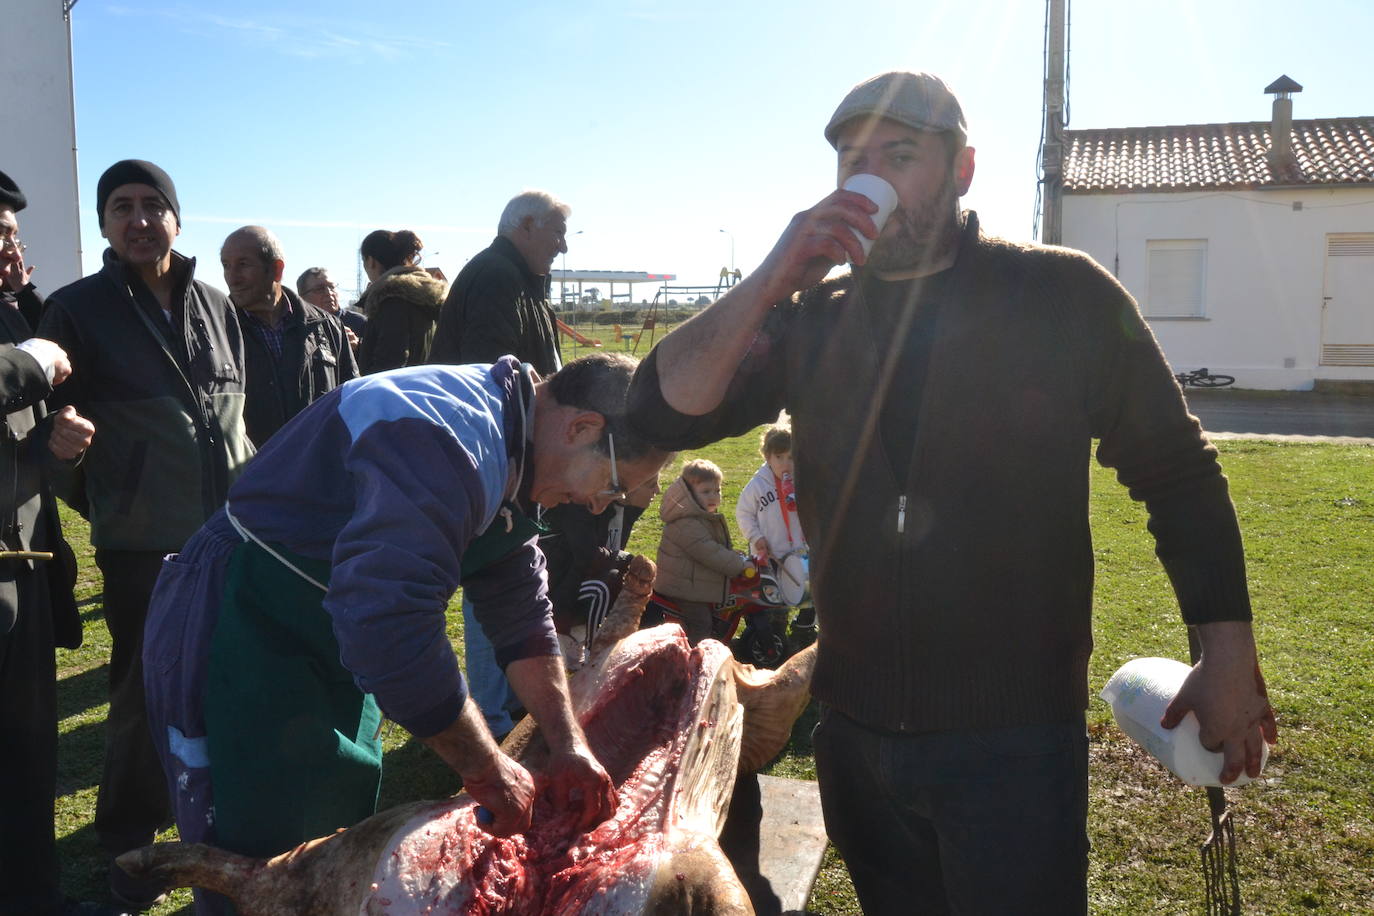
[1216, 156]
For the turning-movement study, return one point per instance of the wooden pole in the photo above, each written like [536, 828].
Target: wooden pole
[1052, 154]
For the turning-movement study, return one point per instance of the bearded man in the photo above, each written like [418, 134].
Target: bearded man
[944, 397]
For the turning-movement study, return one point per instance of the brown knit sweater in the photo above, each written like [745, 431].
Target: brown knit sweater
[956, 592]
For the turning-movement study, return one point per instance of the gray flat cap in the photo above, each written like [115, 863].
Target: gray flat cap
[919, 100]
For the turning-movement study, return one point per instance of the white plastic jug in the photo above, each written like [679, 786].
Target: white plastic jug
[1138, 693]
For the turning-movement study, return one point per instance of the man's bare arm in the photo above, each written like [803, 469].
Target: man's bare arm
[498, 783]
[697, 360]
[576, 779]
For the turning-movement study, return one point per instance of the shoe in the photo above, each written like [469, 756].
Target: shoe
[135, 894]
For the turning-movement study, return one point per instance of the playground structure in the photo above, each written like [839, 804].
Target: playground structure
[627, 278]
[728, 278]
[663, 296]
[581, 339]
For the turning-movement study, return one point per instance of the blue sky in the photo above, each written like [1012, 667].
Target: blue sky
[660, 123]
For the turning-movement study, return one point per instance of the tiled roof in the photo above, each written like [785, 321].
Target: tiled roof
[1332, 151]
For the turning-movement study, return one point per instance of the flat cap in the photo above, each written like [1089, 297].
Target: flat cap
[11, 198]
[919, 100]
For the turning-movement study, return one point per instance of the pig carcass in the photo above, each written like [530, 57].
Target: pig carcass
[672, 725]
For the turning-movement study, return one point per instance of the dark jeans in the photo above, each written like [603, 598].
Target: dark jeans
[28, 765]
[132, 804]
[971, 822]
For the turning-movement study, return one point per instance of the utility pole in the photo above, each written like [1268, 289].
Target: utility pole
[1052, 153]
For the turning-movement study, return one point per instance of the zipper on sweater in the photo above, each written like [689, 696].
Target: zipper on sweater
[901, 513]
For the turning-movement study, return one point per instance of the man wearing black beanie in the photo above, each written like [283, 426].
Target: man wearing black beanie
[157, 365]
[135, 171]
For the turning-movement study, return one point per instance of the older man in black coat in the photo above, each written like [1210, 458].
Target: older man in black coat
[37, 571]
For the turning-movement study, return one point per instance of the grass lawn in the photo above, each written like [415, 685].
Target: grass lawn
[1305, 833]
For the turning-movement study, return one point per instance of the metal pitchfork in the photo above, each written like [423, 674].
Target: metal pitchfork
[1220, 880]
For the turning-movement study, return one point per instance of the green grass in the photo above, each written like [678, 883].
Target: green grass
[1305, 833]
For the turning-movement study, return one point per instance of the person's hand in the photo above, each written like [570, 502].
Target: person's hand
[71, 434]
[50, 354]
[815, 241]
[1226, 691]
[13, 272]
[352, 338]
[579, 783]
[761, 549]
[506, 790]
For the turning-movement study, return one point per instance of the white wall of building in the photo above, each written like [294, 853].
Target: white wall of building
[1266, 256]
[38, 145]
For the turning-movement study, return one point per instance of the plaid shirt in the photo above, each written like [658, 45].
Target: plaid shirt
[270, 335]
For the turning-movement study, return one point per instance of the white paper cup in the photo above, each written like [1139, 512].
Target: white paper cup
[881, 193]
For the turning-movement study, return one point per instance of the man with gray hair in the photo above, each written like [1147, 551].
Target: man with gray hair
[499, 304]
[316, 287]
[295, 352]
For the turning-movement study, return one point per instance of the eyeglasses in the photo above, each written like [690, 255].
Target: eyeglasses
[615, 491]
[12, 244]
[327, 287]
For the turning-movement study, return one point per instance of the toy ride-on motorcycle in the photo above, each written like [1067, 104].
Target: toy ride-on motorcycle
[754, 597]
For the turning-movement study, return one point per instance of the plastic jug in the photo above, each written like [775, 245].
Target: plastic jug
[1139, 692]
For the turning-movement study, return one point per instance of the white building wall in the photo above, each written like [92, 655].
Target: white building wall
[40, 155]
[1266, 254]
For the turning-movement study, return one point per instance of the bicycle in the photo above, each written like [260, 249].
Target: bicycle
[1201, 378]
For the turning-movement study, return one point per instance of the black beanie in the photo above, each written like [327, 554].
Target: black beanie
[11, 198]
[135, 171]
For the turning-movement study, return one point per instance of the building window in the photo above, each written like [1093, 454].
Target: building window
[1178, 278]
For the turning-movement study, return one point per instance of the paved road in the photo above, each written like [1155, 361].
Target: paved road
[1299, 414]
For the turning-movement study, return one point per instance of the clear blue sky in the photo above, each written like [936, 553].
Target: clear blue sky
[660, 123]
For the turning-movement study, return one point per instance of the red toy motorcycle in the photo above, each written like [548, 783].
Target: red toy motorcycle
[754, 597]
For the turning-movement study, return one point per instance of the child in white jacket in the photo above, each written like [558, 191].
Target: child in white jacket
[767, 510]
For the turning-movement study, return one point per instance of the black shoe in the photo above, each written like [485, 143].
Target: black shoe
[135, 894]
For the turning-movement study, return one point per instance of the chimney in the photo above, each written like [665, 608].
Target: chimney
[1281, 158]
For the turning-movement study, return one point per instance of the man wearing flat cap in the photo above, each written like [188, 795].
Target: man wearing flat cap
[157, 365]
[37, 572]
[16, 289]
[945, 394]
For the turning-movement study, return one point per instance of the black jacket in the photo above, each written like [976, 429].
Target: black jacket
[28, 513]
[575, 549]
[166, 401]
[402, 308]
[315, 359]
[498, 307]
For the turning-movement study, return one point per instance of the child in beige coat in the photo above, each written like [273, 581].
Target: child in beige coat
[695, 560]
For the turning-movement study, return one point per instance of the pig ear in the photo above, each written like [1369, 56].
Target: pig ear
[695, 877]
[773, 701]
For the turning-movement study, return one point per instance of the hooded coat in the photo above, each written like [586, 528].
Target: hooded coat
[694, 554]
[402, 309]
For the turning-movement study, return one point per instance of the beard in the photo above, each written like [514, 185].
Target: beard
[923, 235]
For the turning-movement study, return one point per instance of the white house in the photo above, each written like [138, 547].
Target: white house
[1250, 246]
[38, 136]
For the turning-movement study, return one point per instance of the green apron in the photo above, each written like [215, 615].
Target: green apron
[293, 743]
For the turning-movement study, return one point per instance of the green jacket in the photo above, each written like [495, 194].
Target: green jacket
[166, 399]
